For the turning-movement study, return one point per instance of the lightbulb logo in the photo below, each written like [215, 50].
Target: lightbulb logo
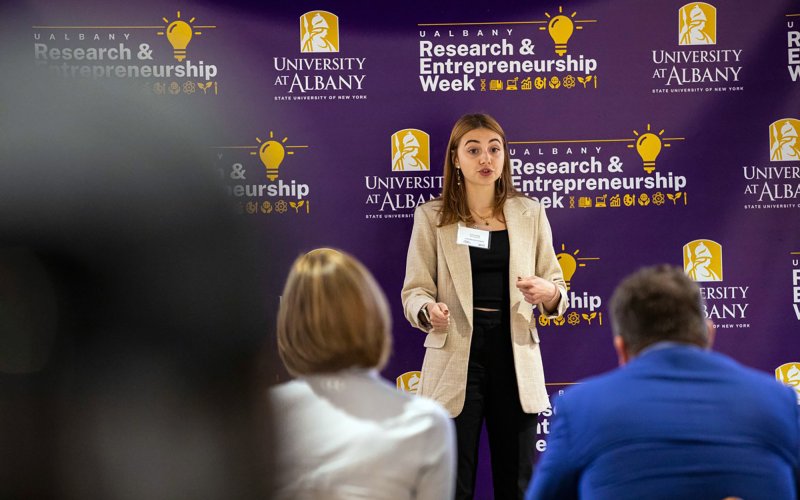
[409, 381]
[319, 32]
[561, 27]
[570, 262]
[648, 145]
[789, 374]
[410, 150]
[272, 152]
[783, 140]
[702, 260]
[179, 33]
[697, 24]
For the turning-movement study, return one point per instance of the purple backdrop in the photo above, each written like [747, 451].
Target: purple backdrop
[654, 132]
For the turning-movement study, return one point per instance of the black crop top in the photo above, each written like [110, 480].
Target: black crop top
[490, 272]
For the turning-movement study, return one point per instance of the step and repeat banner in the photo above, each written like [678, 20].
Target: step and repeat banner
[652, 132]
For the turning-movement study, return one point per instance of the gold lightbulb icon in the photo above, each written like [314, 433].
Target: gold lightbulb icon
[568, 266]
[271, 153]
[179, 34]
[560, 29]
[569, 263]
[648, 145]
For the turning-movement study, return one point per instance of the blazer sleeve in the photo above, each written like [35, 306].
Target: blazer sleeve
[547, 266]
[419, 286]
[557, 474]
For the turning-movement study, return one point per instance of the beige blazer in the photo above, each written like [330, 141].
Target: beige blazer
[438, 269]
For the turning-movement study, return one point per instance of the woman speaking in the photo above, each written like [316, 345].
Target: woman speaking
[480, 256]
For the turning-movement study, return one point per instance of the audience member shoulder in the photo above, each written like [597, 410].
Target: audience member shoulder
[287, 394]
[755, 375]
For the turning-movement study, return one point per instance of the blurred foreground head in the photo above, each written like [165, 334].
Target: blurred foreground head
[657, 304]
[129, 301]
[333, 316]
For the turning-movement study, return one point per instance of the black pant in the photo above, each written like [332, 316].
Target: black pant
[492, 394]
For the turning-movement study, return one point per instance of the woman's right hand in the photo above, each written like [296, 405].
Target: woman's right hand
[439, 314]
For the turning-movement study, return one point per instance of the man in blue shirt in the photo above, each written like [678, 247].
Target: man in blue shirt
[675, 420]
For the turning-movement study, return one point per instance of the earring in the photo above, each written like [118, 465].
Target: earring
[458, 176]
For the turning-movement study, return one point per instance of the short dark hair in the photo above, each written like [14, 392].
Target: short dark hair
[656, 304]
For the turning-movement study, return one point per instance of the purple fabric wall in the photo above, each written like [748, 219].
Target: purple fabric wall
[721, 119]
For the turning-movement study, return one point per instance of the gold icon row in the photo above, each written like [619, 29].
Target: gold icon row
[539, 83]
[278, 207]
[574, 319]
[628, 200]
[188, 87]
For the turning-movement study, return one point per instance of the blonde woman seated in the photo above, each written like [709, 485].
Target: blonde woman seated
[342, 431]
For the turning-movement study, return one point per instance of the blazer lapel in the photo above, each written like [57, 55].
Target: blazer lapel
[520, 226]
[458, 264]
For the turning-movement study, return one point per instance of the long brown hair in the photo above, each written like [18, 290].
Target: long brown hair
[454, 195]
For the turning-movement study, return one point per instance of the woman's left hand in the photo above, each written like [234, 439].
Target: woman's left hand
[537, 290]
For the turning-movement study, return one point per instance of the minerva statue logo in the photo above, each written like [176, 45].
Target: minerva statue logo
[702, 260]
[783, 140]
[319, 32]
[410, 150]
[409, 381]
[697, 24]
[789, 374]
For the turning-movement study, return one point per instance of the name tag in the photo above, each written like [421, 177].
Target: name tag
[477, 238]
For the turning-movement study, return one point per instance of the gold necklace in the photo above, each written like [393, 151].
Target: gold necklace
[485, 219]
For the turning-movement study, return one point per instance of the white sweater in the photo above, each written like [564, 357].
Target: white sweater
[351, 435]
